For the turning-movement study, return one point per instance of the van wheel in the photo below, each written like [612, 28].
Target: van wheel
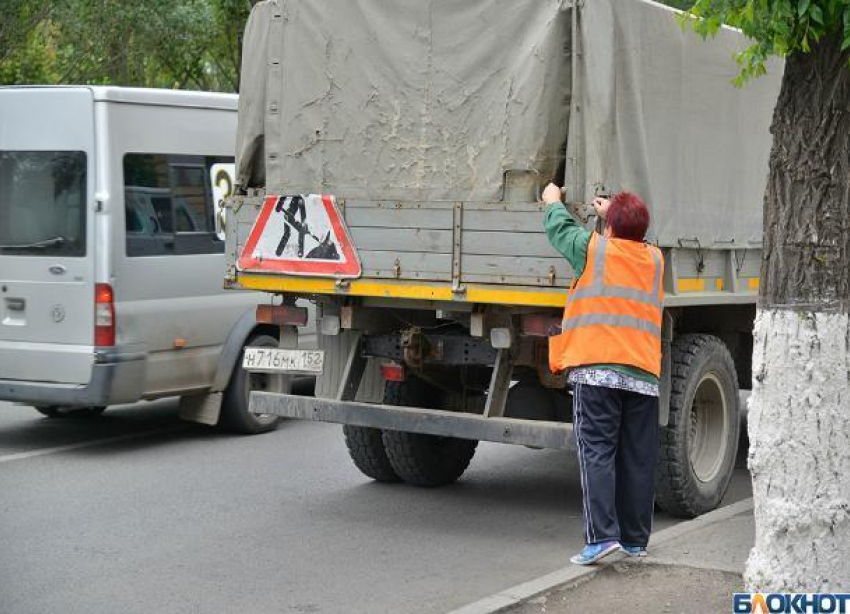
[234, 409]
[699, 445]
[58, 411]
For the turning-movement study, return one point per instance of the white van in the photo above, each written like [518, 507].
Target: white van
[112, 258]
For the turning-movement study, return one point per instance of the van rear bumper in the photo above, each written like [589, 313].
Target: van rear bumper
[118, 376]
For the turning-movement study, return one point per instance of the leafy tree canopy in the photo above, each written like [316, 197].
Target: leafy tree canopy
[777, 27]
[156, 43]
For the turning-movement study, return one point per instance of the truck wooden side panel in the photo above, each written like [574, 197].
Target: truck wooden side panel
[495, 253]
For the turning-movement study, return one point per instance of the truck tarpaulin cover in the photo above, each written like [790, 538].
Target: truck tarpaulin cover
[403, 99]
[437, 99]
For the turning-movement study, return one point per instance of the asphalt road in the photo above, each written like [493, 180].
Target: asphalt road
[138, 512]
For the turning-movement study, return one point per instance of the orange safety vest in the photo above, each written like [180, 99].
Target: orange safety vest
[614, 310]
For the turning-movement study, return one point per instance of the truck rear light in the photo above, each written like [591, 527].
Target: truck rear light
[393, 372]
[104, 316]
[540, 325]
[282, 315]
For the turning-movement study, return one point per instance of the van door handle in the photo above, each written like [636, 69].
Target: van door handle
[58, 269]
[15, 304]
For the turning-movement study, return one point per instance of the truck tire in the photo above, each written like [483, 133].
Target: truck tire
[423, 460]
[57, 411]
[234, 407]
[366, 448]
[699, 445]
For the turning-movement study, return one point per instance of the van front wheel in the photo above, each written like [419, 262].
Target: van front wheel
[234, 409]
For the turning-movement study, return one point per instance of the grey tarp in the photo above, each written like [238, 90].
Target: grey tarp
[403, 99]
[661, 116]
[437, 99]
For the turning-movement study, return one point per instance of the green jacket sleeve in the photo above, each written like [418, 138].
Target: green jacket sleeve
[567, 236]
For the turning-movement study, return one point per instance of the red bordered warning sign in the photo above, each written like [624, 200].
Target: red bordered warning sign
[300, 235]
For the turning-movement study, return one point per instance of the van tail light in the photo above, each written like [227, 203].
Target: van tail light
[104, 316]
[393, 372]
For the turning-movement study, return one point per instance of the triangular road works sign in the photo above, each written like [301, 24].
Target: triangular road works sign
[300, 235]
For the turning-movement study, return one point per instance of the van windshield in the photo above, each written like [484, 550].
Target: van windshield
[43, 203]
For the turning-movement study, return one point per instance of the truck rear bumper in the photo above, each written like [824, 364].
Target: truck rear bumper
[533, 433]
[117, 377]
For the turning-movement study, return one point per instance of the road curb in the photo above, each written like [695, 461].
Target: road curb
[502, 600]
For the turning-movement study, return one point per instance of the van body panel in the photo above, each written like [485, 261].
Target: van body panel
[73, 362]
[172, 315]
[168, 98]
[200, 321]
[174, 302]
[47, 157]
[116, 377]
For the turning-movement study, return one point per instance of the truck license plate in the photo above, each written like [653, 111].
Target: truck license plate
[278, 360]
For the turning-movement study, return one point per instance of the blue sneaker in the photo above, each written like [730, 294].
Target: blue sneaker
[594, 552]
[635, 551]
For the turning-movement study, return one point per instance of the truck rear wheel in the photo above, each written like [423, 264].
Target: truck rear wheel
[699, 445]
[366, 448]
[423, 460]
[234, 408]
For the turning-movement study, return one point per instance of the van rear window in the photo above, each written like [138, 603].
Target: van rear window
[43, 203]
[169, 204]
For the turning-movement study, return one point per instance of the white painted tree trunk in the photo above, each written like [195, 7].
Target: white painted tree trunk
[799, 430]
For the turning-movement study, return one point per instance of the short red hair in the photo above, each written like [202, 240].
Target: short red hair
[628, 216]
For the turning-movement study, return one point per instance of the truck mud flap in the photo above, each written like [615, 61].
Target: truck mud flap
[539, 434]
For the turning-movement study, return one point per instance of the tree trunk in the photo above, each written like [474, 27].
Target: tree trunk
[799, 419]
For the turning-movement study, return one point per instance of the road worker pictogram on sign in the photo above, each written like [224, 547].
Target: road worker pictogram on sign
[300, 235]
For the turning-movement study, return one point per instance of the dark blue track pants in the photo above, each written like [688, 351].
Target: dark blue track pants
[617, 438]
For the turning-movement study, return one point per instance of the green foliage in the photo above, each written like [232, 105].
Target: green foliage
[153, 43]
[19, 18]
[25, 55]
[777, 27]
